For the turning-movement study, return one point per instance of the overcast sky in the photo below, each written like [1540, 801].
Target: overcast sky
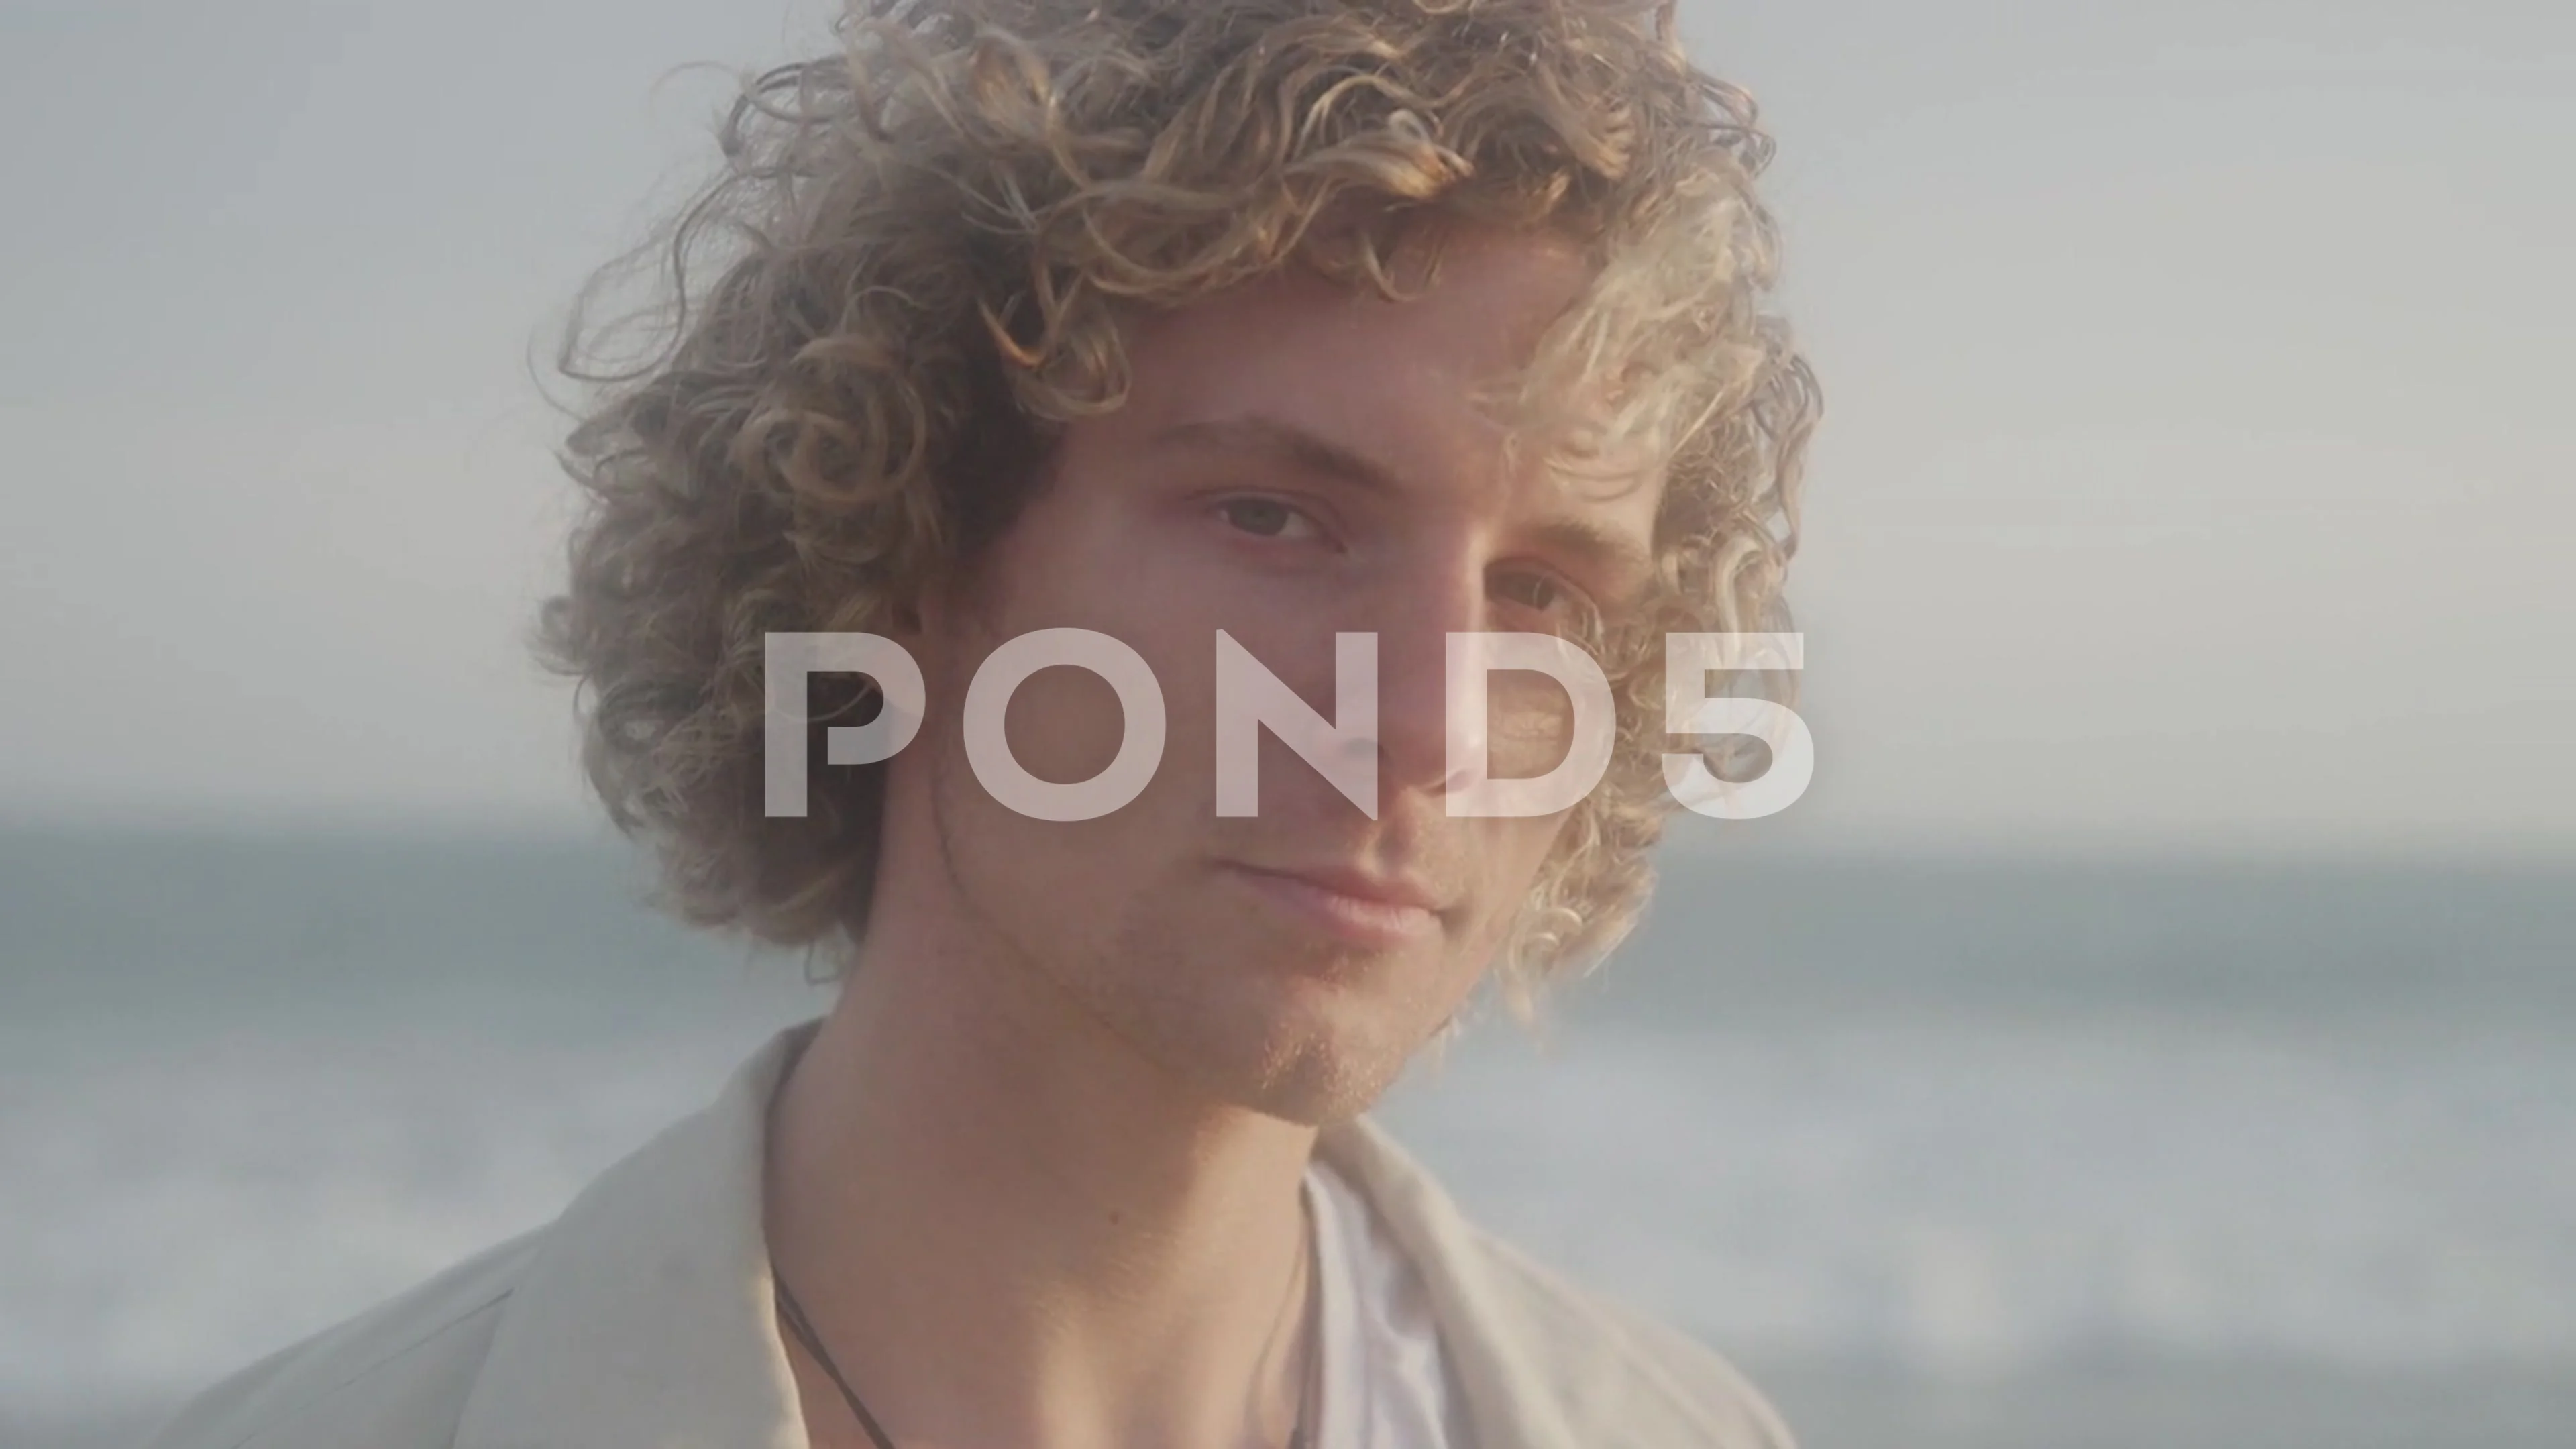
[2197, 467]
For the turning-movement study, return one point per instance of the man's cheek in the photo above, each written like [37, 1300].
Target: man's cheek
[1064, 725]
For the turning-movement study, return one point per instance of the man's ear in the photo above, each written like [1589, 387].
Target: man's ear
[930, 611]
[959, 602]
[933, 623]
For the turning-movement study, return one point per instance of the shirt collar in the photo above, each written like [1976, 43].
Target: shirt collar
[643, 1320]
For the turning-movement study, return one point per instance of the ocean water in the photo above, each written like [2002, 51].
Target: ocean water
[1995, 1152]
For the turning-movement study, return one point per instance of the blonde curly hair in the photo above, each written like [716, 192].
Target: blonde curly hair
[920, 246]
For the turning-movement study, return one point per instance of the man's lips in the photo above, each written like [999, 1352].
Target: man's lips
[1364, 909]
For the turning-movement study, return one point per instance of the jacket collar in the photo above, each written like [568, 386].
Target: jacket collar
[643, 1320]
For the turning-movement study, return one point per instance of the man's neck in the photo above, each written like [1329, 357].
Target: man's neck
[1011, 1228]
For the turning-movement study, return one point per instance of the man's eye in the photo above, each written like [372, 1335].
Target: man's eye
[1534, 591]
[1265, 518]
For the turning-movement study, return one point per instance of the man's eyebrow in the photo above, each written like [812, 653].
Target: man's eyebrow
[1616, 554]
[1598, 545]
[1284, 442]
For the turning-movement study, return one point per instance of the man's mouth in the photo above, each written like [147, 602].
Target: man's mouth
[1366, 910]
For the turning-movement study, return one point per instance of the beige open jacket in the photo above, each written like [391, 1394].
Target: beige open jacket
[641, 1319]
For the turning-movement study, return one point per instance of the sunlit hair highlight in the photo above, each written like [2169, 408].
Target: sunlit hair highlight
[862, 337]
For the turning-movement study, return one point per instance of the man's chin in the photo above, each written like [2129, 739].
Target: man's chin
[1310, 1032]
[1318, 1099]
[1319, 1072]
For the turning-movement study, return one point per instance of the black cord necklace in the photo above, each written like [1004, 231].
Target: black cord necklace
[803, 1327]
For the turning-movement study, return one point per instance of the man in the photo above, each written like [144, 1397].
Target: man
[1161, 319]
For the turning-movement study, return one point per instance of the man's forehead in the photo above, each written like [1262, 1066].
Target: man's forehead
[1456, 357]
[1418, 394]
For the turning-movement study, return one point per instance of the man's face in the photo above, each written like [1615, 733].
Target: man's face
[1294, 460]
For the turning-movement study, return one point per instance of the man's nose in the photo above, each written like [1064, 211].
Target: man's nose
[1419, 704]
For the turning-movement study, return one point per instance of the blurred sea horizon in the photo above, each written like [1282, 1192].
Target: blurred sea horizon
[1999, 1149]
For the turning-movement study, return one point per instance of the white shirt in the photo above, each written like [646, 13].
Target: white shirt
[1386, 1382]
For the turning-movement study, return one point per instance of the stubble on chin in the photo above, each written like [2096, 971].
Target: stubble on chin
[1241, 1033]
